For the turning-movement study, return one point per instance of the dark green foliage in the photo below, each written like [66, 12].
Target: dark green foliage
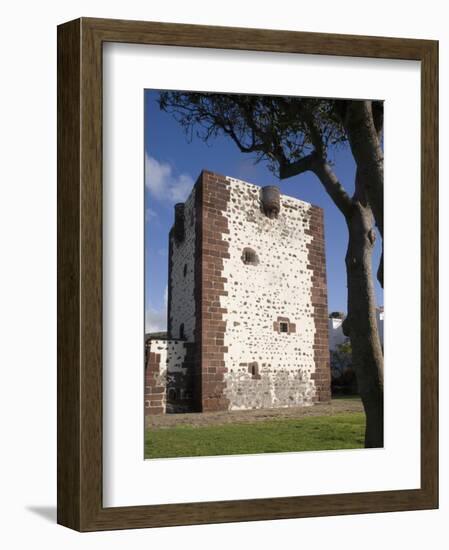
[343, 375]
[276, 129]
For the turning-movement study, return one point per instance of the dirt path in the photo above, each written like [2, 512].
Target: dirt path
[336, 406]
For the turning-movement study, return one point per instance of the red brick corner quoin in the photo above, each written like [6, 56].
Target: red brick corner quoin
[213, 196]
[317, 265]
[154, 393]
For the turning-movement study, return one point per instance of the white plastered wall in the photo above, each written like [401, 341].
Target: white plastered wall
[279, 286]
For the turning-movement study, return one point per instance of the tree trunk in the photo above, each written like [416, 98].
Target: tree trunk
[365, 141]
[361, 324]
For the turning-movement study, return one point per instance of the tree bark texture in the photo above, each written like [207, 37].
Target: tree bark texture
[364, 137]
[361, 323]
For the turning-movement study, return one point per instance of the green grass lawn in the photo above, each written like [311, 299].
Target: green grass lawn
[341, 431]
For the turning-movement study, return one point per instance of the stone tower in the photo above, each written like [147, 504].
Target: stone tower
[247, 302]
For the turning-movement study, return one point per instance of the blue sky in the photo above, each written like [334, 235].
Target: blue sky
[171, 168]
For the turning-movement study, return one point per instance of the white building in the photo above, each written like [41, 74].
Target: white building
[336, 335]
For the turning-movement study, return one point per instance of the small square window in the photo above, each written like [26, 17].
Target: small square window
[249, 257]
[283, 326]
[253, 369]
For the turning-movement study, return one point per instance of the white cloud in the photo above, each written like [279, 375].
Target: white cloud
[150, 214]
[163, 184]
[156, 319]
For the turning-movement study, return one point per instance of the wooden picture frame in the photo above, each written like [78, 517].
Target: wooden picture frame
[80, 504]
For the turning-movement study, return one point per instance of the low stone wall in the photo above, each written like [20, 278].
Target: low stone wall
[156, 377]
[168, 376]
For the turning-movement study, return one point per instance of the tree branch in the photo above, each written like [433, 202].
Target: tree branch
[333, 187]
[315, 135]
[290, 169]
[325, 174]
